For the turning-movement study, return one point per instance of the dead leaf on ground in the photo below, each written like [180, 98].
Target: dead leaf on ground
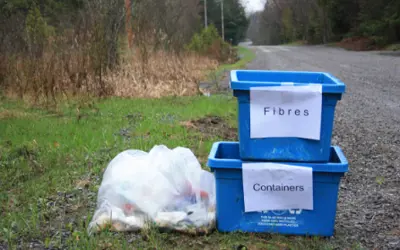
[187, 124]
[75, 208]
[395, 232]
[83, 183]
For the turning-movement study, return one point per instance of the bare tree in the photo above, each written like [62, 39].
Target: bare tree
[287, 20]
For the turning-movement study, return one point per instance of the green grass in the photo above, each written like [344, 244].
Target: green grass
[44, 155]
[246, 56]
[393, 47]
[295, 43]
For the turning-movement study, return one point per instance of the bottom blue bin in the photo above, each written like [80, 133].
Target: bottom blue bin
[224, 161]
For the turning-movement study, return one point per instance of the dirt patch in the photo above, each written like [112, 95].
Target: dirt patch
[213, 126]
[358, 44]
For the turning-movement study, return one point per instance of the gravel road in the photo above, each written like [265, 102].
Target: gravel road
[367, 127]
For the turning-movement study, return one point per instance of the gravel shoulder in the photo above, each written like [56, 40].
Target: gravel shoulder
[367, 127]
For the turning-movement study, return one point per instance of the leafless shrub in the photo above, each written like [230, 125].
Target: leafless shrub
[82, 56]
[289, 20]
[167, 74]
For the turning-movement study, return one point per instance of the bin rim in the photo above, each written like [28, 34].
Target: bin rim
[336, 87]
[236, 163]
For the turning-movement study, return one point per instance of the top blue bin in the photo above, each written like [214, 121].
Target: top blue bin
[285, 148]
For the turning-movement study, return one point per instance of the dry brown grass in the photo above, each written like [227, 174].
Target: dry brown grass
[10, 114]
[165, 74]
[55, 76]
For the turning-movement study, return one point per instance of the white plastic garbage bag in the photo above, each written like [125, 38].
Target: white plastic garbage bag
[165, 187]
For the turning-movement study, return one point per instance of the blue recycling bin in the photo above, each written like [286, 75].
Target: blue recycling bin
[285, 148]
[224, 160]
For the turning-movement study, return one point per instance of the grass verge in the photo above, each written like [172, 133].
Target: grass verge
[296, 43]
[246, 55]
[51, 165]
[393, 47]
[363, 44]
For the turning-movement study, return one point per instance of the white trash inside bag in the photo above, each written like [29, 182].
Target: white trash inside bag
[165, 187]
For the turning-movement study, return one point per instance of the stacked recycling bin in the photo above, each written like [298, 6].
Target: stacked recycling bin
[287, 118]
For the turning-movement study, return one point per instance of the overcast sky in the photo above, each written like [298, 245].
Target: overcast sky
[253, 5]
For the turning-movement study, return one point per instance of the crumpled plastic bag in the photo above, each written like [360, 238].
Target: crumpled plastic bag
[164, 187]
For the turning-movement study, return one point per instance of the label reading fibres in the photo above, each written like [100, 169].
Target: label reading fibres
[286, 111]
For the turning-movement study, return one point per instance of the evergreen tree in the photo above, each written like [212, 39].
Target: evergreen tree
[235, 20]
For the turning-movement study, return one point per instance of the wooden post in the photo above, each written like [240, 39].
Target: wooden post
[128, 22]
[205, 14]
[222, 20]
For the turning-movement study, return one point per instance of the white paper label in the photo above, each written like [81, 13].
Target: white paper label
[286, 111]
[274, 186]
